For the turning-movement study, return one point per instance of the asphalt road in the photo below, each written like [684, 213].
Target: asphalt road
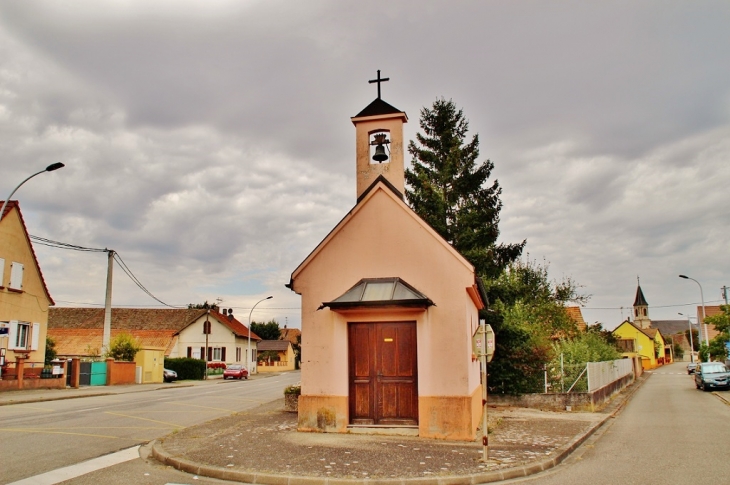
[40, 437]
[668, 433]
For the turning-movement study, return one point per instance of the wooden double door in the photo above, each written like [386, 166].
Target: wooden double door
[383, 369]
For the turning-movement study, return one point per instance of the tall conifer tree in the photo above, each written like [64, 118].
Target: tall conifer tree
[449, 189]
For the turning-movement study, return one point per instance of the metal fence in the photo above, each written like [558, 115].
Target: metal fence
[564, 378]
[601, 374]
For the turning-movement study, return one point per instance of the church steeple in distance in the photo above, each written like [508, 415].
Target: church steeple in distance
[641, 308]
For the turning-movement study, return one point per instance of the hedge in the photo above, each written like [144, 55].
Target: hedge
[186, 368]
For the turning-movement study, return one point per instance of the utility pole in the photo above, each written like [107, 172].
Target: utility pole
[724, 293]
[108, 303]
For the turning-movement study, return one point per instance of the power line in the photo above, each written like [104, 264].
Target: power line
[129, 273]
[61, 245]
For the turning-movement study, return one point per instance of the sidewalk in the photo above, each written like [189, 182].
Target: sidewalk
[42, 395]
[263, 446]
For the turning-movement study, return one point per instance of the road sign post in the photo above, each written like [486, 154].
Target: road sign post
[483, 345]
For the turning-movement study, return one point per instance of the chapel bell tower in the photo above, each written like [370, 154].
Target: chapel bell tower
[379, 143]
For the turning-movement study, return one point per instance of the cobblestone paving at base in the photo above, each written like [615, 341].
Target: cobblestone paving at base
[265, 440]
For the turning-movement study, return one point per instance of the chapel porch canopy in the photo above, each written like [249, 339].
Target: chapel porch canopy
[379, 292]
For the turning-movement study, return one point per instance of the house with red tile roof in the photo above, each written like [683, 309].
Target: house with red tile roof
[710, 310]
[226, 339]
[293, 335]
[24, 296]
[576, 315]
[78, 332]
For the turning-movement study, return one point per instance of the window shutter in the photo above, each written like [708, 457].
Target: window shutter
[16, 275]
[2, 272]
[202, 353]
[13, 334]
[223, 354]
[35, 336]
[190, 352]
[210, 354]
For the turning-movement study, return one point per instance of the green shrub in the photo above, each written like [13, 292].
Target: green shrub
[50, 350]
[186, 368]
[293, 390]
[123, 347]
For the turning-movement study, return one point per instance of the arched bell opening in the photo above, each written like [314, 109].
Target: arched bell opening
[379, 141]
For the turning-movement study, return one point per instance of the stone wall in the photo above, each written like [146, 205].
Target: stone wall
[574, 401]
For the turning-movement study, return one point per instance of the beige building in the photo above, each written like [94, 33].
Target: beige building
[283, 361]
[24, 297]
[388, 309]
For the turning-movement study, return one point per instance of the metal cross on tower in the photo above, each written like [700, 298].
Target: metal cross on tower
[379, 80]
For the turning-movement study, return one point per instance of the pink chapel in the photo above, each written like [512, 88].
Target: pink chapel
[388, 309]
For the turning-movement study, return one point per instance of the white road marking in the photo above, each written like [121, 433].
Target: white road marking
[73, 471]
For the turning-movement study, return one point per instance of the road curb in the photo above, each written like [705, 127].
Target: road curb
[59, 398]
[722, 398]
[161, 455]
[97, 394]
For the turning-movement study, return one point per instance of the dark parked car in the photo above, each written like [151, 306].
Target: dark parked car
[691, 367]
[169, 375]
[712, 375]
[235, 371]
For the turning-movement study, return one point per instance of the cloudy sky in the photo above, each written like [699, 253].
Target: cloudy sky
[209, 143]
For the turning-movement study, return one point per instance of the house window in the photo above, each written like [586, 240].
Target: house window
[16, 276]
[22, 333]
[217, 354]
[2, 272]
[238, 354]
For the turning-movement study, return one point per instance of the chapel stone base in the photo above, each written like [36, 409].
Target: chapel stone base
[450, 417]
[440, 417]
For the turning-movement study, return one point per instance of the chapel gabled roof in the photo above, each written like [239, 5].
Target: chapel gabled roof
[382, 182]
[640, 300]
[13, 204]
[376, 108]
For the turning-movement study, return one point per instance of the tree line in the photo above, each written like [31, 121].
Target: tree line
[449, 188]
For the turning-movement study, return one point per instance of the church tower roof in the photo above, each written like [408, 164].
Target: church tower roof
[377, 108]
[640, 300]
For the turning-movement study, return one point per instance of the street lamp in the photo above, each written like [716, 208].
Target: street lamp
[249, 356]
[702, 297]
[691, 339]
[50, 168]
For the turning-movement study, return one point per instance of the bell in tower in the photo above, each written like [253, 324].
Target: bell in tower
[379, 142]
